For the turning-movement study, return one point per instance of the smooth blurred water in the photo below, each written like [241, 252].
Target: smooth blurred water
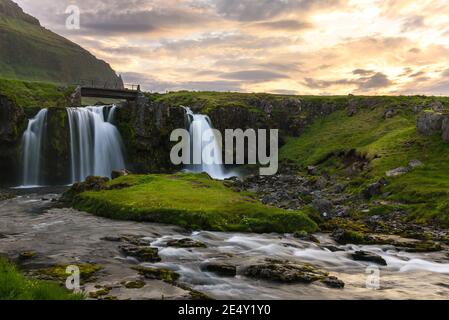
[32, 145]
[96, 144]
[211, 163]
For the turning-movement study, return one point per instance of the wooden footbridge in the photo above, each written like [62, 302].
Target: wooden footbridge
[95, 89]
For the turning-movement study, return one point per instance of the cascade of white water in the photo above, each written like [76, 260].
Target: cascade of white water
[96, 144]
[211, 163]
[32, 145]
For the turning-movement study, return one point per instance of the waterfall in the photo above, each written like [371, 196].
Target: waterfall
[198, 124]
[32, 145]
[96, 144]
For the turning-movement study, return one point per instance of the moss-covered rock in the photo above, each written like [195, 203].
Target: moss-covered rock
[157, 274]
[27, 255]
[286, 272]
[144, 254]
[185, 243]
[58, 272]
[135, 284]
[174, 199]
[146, 131]
[56, 148]
[12, 126]
[100, 292]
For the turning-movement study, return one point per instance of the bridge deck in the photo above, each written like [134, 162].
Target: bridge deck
[110, 93]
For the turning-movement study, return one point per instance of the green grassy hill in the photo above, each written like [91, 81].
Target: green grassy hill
[31, 52]
[384, 144]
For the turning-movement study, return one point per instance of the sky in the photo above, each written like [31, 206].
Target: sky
[278, 46]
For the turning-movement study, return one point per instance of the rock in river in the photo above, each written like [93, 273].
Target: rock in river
[185, 243]
[221, 269]
[144, 254]
[369, 257]
[285, 272]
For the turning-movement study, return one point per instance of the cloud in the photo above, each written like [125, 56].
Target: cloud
[379, 80]
[253, 75]
[412, 23]
[156, 85]
[362, 72]
[284, 25]
[365, 83]
[280, 46]
[257, 10]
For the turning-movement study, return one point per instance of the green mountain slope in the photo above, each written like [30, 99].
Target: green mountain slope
[31, 52]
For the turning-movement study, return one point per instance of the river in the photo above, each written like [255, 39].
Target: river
[33, 222]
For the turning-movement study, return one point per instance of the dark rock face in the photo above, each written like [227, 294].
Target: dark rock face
[369, 257]
[12, 124]
[56, 148]
[287, 272]
[119, 173]
[375, 189]
[445, 129]
[429, 123]
[146, 131]
[333, 282]
[220, 269]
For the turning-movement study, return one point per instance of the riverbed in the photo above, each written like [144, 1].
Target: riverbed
[33, 221]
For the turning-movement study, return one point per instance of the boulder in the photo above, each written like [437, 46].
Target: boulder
[333, 282]
[285, 272]
[375, 189]
[312, 170]
[323, 206]
[144, 254]
[398, 172]
[185, 243]
[120, 173]
[429, 123]
[415, 164]
[389, 113]
[369, 257]
[221, 269]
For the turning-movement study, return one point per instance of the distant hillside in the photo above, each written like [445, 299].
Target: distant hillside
[31, 52]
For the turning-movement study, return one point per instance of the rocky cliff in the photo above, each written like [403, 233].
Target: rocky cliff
[12, 125]
[146, 130]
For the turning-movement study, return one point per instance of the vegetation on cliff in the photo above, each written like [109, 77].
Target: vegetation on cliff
[14, 286]
[381, 137]
[35, 95]
[189, 200]
[32, 52]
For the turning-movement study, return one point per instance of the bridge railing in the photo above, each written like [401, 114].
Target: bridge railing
[95, 84]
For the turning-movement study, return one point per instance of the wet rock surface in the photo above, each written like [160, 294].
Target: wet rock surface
[369, 257]
[143, 254]
[284, 272]
[185, 243]
[221, 269]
